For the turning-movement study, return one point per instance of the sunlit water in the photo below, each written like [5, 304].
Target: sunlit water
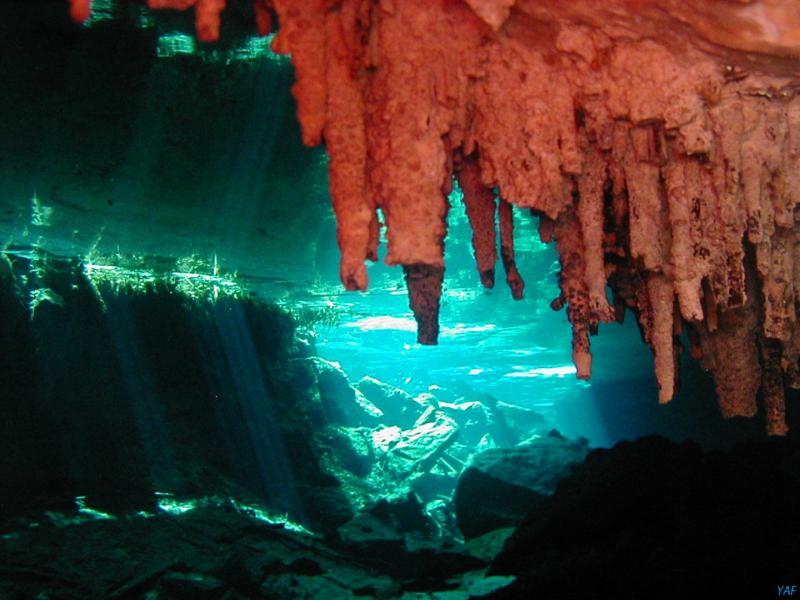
[517, 351]
[229, 199]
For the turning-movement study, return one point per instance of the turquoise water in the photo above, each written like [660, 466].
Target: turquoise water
[157, 155]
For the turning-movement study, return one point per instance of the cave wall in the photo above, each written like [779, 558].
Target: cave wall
[117, 394]
[109, 142]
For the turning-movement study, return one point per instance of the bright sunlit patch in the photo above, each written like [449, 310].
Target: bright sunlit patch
[254, 48]
[169, 504]
[384, 324]
[270, 518]
[460, 328]
[528, 351]
[83, 514]
[464, 295]
[102, 10]
[545, 372]
[386, 436]
[80, 502]
[259, 47]
[175, 44]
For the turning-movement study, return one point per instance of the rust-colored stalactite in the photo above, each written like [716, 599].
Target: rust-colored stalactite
[513, 278]
[481, 208]
[263, 14]
[80, 10]
[659, 141]
[346, 141]
[424, 290]
[482, 211]
[574, 291]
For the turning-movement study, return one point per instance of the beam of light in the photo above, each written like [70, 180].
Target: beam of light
[460, 328]
[248, 387]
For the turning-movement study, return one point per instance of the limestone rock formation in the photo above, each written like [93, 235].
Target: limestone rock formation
[658, 140]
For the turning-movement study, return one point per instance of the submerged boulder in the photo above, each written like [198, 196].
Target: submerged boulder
[342, 403]
[350, 448]
[473, 419]
[387, 522]
[506, 423]
[502, 484]
[484, 504]
[521, 420]
[397, 536]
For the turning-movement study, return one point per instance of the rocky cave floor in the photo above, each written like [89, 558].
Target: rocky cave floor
[218, 551]
[649, 518]
[158, 444]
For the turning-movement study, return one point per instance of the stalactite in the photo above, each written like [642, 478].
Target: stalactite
[574, 291]
[513, 278]
[207, 19]
[773, 388]
[658, 141]
[661, 294]
[347, 145]
[302, 33]
[424, 290]
[729, 350]
[591, 189]
[263, 13]
[481, 208]
[80, 10]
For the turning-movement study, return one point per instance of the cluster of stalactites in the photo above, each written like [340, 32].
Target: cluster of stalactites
[660, 168]
[395, 141]
[682, 202]
[703, 237]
